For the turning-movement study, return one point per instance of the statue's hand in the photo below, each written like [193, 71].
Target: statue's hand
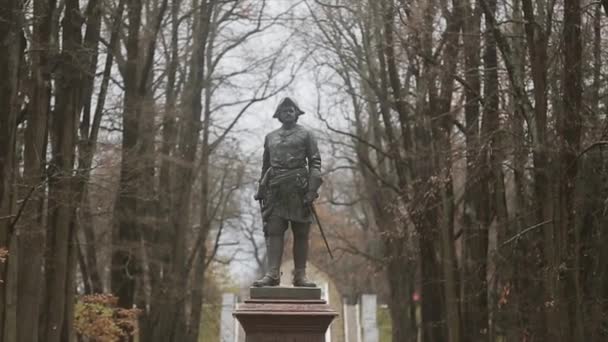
[310, 197]
[259, 194]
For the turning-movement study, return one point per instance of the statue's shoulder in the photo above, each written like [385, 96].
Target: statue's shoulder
[273, 133]
[307, 131]
[298, 130]
[304, 128]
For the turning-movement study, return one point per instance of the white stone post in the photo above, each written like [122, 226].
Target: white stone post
[350, 317]
[227, 323]
[369, 314]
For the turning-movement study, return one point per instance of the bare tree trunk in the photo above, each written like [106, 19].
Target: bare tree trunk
[202, 108]
[473, 246]
[60, 257]
[593, 236]
[511, 318]
[125, 236]
[176, 326]
[536, 39]
[31, 242]
[591, 218]
[442, 150]
[146, 214]
[492, 196]
[396, 241]
[89, 132]
[397, 250]
[569, 127]
[425, 196]
[164, 238]
[12, 44]
[135, 215]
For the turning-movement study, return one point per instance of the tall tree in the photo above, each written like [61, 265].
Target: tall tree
[89, 133]
[126, 257]
[34, 175]
[569, 129]
[12, 43]
[474, 241]
[60, 238]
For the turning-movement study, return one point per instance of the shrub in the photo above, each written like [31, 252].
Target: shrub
[98, 318]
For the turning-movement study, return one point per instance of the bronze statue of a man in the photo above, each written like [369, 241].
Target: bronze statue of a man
[291, 177]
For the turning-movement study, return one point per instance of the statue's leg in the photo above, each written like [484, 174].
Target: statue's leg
[300, 253]
[275, 230]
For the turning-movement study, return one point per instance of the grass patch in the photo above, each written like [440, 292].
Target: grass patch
[385, 325]
[210, 323]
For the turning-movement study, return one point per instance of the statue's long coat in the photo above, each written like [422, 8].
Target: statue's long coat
[292, 159]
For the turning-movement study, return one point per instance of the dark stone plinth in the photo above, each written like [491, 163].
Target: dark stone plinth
[284, 319]
[280, 292]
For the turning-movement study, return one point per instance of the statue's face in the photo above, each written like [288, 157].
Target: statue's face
[288, 115]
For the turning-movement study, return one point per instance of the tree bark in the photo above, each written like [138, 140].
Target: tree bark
[569, 128]
[492, 196]
[31, 242]
[443, 169]
[177, 326]
[426, 221]
[473, 246]
[201, 108]
[61, 252]
[126, 261]
[12, 44]
[163, 238]
[395, 240]
[536, 39]
[87, 143]
[589, 219]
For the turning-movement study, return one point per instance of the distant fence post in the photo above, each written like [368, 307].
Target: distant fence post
[350, 317]
[227, 333]
[369, 321]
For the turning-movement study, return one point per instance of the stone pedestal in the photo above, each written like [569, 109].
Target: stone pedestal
[285, 314]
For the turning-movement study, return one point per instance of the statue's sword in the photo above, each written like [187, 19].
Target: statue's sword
[314, 213]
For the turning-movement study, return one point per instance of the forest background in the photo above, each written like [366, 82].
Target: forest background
[464, 146]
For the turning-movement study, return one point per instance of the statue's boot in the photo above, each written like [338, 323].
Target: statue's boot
[300, 280]
[274, 248]
[300, 256]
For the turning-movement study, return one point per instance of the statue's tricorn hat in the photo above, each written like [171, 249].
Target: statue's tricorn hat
[287, 102]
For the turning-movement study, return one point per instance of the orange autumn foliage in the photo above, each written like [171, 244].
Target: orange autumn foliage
[98, 318]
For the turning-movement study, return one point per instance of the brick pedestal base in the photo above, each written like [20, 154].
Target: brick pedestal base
[284, 320]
